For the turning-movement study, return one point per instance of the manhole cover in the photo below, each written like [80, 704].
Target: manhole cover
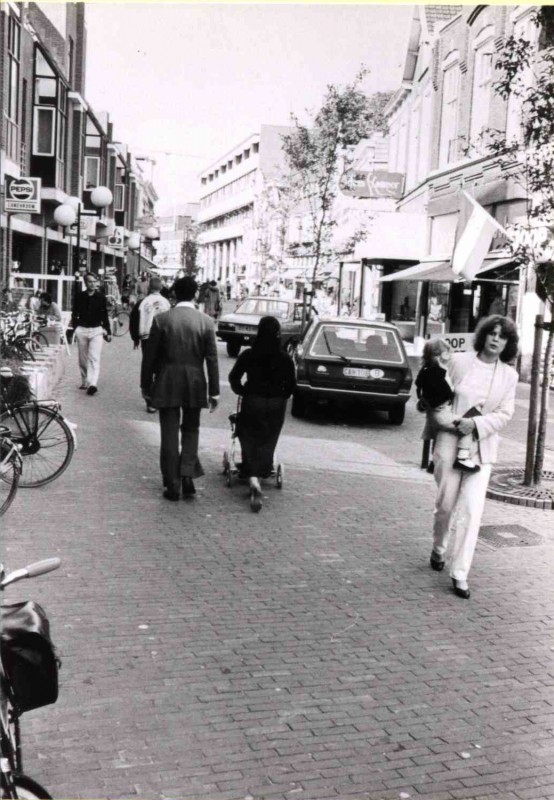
[509, 536]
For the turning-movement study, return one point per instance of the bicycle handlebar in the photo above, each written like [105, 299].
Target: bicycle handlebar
[42, 567]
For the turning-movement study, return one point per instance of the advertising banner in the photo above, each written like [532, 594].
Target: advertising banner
[22, 195]
[377, 184]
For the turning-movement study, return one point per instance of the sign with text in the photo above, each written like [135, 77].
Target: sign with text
[22, 195]
[88, 227]
[459, 342]
[361, 183]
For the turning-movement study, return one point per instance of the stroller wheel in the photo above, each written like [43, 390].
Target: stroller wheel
[280, 476]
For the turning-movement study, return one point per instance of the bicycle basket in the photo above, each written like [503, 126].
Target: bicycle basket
[28, 655]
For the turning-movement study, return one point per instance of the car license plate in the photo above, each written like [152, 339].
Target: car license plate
[355, 372]
[244, 329]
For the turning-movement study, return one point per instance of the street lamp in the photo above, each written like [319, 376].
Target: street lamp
[65, 216]
[136, 239]
[101, 197]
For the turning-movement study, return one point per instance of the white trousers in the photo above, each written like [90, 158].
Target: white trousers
[89, 345]
[458, 508]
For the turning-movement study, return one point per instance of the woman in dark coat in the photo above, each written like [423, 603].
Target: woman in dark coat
[269, 383]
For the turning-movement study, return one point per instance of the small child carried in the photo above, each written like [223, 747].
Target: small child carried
[435, 397]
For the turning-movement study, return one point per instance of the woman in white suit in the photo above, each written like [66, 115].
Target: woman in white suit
[484, 379]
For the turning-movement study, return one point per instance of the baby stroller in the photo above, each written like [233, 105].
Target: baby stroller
[232, 464]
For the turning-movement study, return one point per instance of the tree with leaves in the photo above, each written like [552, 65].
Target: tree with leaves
[316, 154]
[527, 73]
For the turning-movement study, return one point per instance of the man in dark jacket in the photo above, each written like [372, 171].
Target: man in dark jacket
[91, 326]
[181, 341]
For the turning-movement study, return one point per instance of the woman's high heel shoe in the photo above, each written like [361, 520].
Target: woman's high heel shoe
[459, 591]
[255, 495]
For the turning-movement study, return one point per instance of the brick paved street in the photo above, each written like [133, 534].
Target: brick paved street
[305, 652]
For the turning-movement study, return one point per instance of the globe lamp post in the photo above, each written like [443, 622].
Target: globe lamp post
[65, 216]
[101, 197]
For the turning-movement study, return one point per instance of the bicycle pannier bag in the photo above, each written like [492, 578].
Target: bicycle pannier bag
[28, 655]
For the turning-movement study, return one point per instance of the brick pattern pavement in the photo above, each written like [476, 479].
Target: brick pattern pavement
[305, 652]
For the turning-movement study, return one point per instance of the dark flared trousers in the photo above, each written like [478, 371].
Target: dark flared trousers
[179, 459]
[259, 426]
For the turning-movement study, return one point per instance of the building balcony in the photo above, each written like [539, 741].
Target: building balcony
[226, 204]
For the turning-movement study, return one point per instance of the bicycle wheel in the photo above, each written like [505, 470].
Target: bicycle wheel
[120, 323]
[46, 442]
[10, 470]
[28, 789]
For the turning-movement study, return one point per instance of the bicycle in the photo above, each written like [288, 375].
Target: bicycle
[19, 336]
[118, 316]
[10, 469]
[28, 678]
[46, 440]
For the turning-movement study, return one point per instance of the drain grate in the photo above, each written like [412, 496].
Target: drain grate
[509, 536]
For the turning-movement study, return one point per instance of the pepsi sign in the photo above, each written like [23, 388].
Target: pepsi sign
[22, 195]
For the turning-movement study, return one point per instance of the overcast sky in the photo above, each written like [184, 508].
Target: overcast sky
[195, 80]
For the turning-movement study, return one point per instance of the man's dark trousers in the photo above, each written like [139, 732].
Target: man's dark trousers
[175, 464]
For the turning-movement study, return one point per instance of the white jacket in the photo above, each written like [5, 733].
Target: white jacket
[152, 305]
[497, 410]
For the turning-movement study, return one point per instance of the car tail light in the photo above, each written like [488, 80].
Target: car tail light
[406, 382]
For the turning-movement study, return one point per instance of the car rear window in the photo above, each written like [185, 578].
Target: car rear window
[357, 342]
[269, 307]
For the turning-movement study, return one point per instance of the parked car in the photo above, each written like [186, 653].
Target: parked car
[352, 360]
[239, 328]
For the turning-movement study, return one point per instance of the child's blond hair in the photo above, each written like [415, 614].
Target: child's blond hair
[432, 350]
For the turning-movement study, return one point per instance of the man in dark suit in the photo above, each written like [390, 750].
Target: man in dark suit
[173, 380]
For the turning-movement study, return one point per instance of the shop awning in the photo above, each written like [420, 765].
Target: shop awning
[441, 271]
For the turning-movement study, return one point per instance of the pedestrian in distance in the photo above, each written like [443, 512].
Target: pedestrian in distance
[181, 347]
[152, 305]
[91, 326]
[435, 397]
[269, 383]
[212, 300]
[482, 379]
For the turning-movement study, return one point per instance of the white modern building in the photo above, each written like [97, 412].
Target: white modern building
[232, 207]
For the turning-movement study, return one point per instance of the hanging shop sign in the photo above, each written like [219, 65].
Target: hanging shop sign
[117, 239]
[22, 195]
[361, 183]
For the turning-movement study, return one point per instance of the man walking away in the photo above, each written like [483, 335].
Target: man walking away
[181, 341]
[152, 305]
[90, 323]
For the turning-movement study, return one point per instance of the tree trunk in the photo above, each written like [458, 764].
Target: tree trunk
[528, 479]
[543, 418]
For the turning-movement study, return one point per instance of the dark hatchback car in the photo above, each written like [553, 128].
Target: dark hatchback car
[353, 360]
[239, 328]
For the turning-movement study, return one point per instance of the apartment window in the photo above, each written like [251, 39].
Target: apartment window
[413, 145]
[238, 159]
[425, 136]
[44, 129]
[482, 84]
[255, 147]
[448, 149]
[247, 153]
[230, 164]
[12, 99]
[92, 172]
[523, 28]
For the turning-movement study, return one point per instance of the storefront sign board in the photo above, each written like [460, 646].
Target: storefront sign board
[362, 183]
[459, 342]
[22, 195]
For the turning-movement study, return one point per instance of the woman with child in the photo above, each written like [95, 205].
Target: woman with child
[482, 396]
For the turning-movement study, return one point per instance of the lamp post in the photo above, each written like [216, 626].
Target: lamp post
[101, 197]
[75, 203]
[136, 240]
[65, 216]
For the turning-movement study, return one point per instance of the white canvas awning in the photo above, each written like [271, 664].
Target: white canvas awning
[440, 271]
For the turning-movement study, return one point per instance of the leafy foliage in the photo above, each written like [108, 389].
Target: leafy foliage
[315, 155]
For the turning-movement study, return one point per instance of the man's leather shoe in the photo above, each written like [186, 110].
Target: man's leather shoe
[170, 495]
[187, 486]
[458, 591]
[92, 390]
[437, 563]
